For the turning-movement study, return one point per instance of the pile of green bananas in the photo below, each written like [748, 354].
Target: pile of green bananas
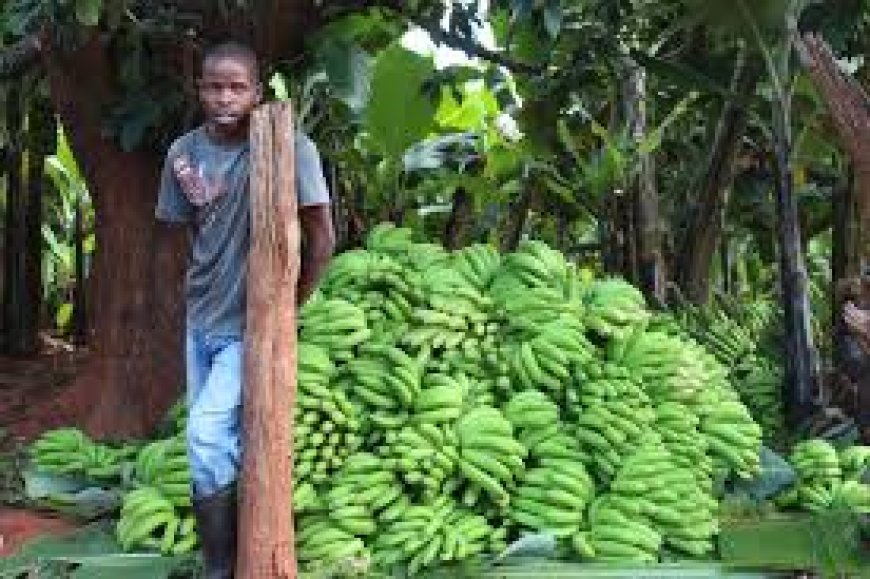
[150, 520]
[450, 402]
[828, 479]
[69, 451]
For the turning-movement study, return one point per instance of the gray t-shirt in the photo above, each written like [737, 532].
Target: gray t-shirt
[205, 184]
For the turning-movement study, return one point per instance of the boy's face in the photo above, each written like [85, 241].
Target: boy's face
[228, 91]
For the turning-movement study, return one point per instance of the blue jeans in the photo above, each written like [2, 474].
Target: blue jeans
[214, 402]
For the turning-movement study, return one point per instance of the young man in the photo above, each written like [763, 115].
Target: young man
[205, 184]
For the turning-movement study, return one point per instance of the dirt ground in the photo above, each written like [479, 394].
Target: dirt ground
[25, 381]
[18, 526]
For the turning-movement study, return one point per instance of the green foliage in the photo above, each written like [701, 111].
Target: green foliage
[397, 92]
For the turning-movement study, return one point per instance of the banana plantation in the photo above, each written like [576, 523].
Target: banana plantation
[598, 304]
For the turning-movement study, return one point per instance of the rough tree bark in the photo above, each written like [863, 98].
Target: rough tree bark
[647, 267]
[266, 533]
[849, 107]
[698, 246]
[801, 358]
[461, 220]
[134, 372]
[517, 215]
[15, 245]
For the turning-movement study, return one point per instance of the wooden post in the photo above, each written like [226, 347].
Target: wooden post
[265, 518]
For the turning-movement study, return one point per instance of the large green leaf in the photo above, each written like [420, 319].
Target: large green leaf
[399, 113]
[348, 68]
[478, 105]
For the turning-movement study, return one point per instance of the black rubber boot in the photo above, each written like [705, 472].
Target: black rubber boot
[216, 523]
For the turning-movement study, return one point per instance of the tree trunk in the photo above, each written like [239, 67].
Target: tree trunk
[647, 264]
[461, 220]
[15, 246]
[135, 369]
[844, 258]
[703, 231]
[517, 215]
[849, 107]
[265, 532]
[801, 361]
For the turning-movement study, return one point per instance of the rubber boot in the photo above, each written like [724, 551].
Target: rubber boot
[216, 523]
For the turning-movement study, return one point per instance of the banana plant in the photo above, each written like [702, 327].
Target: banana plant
[72, 202]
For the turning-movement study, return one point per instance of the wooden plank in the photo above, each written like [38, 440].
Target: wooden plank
[265, 518]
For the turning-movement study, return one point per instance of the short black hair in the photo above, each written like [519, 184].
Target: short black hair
[234, 49]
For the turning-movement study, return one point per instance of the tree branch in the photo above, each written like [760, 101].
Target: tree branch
[439, 35]
[20, 56]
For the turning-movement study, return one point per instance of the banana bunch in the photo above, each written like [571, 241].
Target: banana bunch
[441, 531]
[336, 325]
[733, 438]
[321, 544]
[367, 483]
[384, 377]
[425, 454]
[553, 497]
[758, 380]
[149, 519]
[652, 485]
[841, 495]
[454, 316]
[826, 479]
[617, 532]
[536, 418]
[71, 451]
[305, 498]
[489, 456]
[399, 244]
[816, 462]
[327, 428]
[387, 238]
[477, 264]
[549, 359]
[164, 465]
[678, 426]
[671, 369]
[725, 337]
[532, 265]
[854, 462]
[614, 308]
[525, 310]
[608, 433]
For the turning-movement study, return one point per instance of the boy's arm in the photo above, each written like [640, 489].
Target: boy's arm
[316, 224]
[315, 217]
[173, 205]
